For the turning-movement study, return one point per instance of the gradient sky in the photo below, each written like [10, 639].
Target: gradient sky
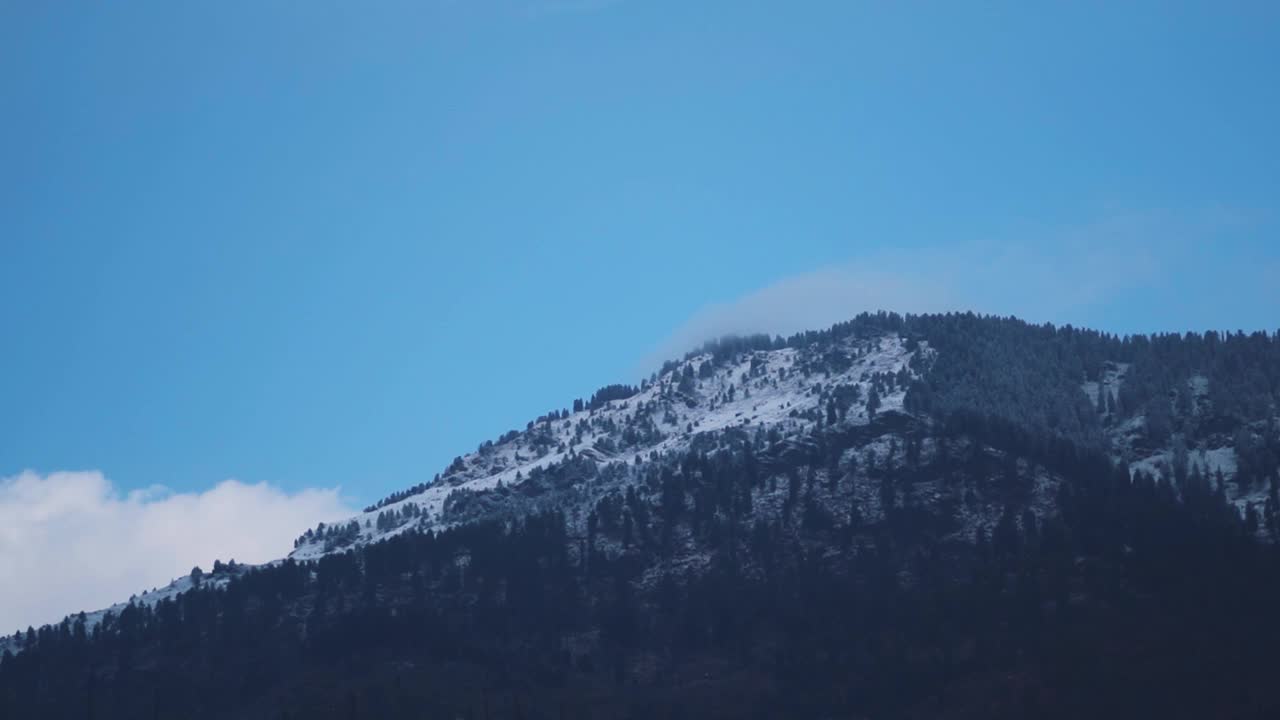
[336, 244]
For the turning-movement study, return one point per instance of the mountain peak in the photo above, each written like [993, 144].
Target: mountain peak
[738, 384]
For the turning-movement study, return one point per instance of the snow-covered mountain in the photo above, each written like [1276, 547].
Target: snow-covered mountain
[785, 398]
[778, 390]
[865, 519]
[785, 391]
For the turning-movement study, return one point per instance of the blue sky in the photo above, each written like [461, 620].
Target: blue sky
[335, 244]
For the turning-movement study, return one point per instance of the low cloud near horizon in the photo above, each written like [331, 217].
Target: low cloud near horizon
[71, 541]
[1130, 273]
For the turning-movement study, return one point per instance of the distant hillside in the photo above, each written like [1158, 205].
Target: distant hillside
[899, 516]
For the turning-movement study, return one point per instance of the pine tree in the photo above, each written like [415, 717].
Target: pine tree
[1251, 519]
[873, 401]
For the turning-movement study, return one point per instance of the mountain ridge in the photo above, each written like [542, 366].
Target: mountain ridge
[888, 454]
[422, 507]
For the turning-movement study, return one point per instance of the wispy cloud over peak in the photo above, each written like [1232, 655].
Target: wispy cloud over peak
[1082, 274]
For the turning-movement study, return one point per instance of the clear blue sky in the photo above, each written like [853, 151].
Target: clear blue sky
[319, 243]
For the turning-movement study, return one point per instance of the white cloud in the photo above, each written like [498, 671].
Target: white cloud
[1074, 275]
[70, 541]
[809, 300]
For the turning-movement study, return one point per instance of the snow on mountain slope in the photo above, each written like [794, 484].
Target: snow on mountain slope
[782, 389]
[763, 389]
[148, 598]
[780, 397]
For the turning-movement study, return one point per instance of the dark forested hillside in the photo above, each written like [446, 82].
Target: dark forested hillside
[948, 516]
